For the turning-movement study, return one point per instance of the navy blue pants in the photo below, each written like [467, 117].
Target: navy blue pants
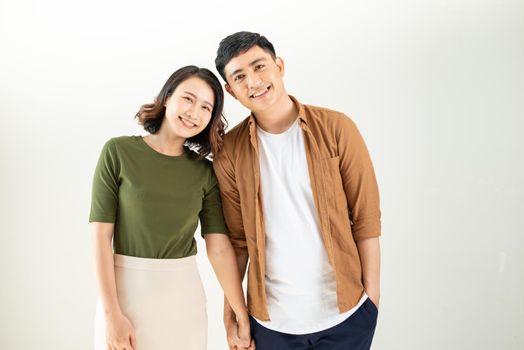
[355, 333]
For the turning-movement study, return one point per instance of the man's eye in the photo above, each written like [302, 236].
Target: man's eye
[239, 77]
[258, 67]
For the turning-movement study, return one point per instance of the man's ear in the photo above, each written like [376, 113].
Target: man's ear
[229, 90]
[280, 64]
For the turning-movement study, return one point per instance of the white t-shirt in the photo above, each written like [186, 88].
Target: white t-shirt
[300, 282]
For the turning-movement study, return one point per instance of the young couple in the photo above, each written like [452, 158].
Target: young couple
[291, 189]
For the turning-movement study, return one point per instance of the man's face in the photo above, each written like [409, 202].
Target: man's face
[255, 79]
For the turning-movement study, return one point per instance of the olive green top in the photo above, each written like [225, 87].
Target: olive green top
[154, 200]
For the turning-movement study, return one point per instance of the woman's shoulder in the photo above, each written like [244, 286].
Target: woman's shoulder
[192, 156]
[121, 142]
[201, 166]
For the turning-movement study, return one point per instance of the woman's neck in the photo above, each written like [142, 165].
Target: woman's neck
[166, 144]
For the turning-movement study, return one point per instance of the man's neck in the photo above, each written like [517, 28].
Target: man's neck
[279, 117]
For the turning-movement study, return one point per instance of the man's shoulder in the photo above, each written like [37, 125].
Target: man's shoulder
[234, 140]
[237, 133]
[323, 113]
[325, 117]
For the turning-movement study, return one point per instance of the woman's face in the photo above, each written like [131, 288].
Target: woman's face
[189, 108]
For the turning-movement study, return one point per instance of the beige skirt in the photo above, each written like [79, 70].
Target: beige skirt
[165, 301]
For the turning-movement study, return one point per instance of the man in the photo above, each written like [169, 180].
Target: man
[301, 202]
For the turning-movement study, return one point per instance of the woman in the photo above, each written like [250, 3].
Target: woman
[148, 195]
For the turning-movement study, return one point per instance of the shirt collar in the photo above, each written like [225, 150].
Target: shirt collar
[301, 116]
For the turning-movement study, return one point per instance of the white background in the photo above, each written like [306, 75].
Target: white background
[436, 88]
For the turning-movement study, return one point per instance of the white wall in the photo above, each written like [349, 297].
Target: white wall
[436, 87]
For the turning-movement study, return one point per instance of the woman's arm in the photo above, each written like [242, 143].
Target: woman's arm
[120, 332]
[102, 234]
[224, 262]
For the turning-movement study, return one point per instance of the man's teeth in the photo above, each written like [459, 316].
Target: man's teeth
[260, 93]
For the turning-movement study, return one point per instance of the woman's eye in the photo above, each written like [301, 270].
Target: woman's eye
[187, 98]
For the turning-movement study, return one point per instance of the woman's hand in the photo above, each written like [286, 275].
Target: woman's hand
[120, 333]
[239, 336]
[244, 333]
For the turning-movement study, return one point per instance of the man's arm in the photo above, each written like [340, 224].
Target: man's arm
[224, 170]
[369, 252]
[225, 173]
[360, 186]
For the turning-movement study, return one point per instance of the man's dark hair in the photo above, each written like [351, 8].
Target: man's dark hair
[238, 43]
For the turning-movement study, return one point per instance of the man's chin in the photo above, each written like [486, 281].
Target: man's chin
[259, 106]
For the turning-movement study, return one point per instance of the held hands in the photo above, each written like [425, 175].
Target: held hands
[244, 333]
[239, 334]
[120, 333]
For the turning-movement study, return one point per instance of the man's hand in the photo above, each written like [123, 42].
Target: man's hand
[239, 335]
[374, 296]
[244, 333]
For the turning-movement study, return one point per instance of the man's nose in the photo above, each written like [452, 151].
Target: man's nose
[253, 81]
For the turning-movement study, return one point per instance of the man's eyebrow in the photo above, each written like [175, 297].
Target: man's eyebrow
[235, 72]
[258, 60]
[196, 97]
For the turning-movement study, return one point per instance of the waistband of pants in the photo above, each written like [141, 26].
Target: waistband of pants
[133, 262]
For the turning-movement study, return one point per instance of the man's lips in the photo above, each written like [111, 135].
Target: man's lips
[261, 92]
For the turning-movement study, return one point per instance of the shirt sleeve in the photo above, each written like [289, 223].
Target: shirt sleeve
[225, 173]
[211, 215]
[104, 197]
[360, 184]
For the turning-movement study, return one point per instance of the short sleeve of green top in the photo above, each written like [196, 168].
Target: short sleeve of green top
[154, 200]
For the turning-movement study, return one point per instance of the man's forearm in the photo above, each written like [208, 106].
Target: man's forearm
[369, 251]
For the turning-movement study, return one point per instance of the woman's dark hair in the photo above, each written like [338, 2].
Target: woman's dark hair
[209, 140]
[238, 43]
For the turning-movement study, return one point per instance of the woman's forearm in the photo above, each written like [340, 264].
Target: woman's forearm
[102, 234]
[223, 259]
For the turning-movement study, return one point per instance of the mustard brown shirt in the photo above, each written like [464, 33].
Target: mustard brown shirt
[344, 188]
